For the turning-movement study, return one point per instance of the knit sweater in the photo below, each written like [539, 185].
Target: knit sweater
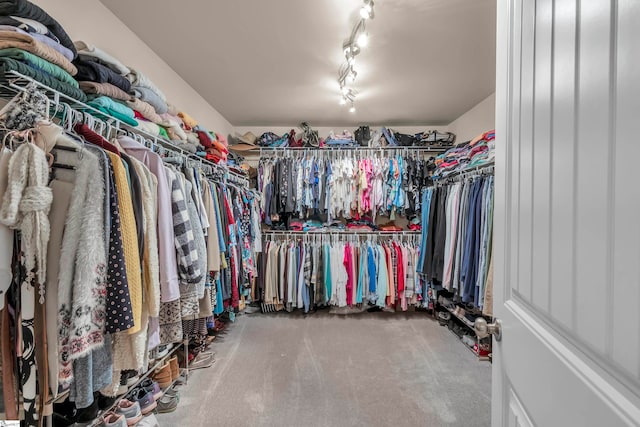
[129, 240]
[26, 42]
[26, 204]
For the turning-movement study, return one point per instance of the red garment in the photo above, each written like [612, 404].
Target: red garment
[348, 264]
[205, 139]
[235, 293]
[95, 139]
[139, 116]
[400, 269]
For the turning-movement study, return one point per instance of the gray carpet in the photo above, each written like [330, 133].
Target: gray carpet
[375, 369]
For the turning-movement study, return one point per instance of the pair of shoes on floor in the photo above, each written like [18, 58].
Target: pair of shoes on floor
[169, 402]
[167, 373]
[204, 359]
[142, 401]
[113, 419]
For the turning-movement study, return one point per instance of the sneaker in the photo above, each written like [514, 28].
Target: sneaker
[167, 404]
[202, 360]
[132, 378]
[105, 402]
[469, 341]
[162, 351]
[173, 392]
[444, 316]
[130, 410]
[145, 400]
[88, 414]
[149, 421]
[111, 419]
[152, 387]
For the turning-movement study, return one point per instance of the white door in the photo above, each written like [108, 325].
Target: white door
[567, 223]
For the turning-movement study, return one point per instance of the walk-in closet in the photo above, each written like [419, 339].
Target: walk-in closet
[331, 213]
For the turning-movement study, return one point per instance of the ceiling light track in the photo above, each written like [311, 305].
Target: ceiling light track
[358, 39]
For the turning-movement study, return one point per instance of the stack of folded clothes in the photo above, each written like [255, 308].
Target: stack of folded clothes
[362, 224]
[477, 152]
[35, 45]
[130, 96]
[345, 139]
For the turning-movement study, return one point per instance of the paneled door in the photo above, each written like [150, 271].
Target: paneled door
[567, 222]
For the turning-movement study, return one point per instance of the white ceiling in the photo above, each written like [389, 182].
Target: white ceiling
[275, 63]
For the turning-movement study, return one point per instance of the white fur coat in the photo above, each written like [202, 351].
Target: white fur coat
[82, 280]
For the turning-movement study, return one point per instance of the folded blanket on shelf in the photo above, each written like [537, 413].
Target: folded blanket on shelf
[185, 145]
[174, 129]
[145, 109]
[172, 109]
[94, 72]
[138, 79]
[105, 89]
[40, 64]
[27, 42]
[41, 38]
[150, 97]
[26, 9]
[9, 64]
[189, 122]
[192, 138]
[152, 129]
[149, 127]
[106, 102]
[87, 51]
[113, 113]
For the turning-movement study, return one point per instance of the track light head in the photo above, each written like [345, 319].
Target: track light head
[363, 40]
[352, 109]
[366, 11]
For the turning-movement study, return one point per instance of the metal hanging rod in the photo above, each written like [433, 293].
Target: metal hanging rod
[486, 169]
[345, 232]
[354, 148]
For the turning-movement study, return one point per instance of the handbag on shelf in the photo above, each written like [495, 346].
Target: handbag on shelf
[309, 136]
[434, 137]
[363, 136]
[406, 140]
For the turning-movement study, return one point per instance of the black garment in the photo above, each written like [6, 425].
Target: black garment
[118, 297]
[433, 207]
[94, 72]
[136, 198]
[292, 178]
[437, 262]
[26, 9]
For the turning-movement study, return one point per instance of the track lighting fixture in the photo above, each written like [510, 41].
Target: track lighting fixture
[358, 39]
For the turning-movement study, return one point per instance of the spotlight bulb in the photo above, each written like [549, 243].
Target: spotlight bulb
[344, 90]
[363, 40]
[343, 101]
[365, 11]
[352, 109]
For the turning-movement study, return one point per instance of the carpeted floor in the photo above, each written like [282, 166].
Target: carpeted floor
[375, 369]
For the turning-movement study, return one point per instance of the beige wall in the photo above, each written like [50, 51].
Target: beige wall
[92, 22]
[477, 120]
